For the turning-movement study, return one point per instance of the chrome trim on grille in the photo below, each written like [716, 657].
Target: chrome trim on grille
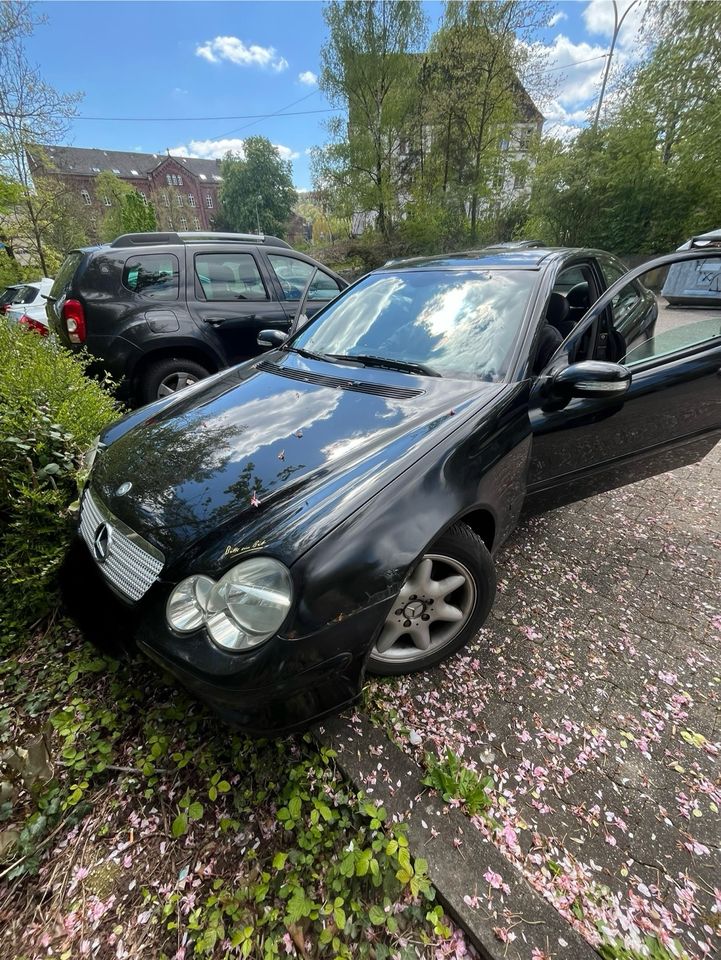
[131, 565]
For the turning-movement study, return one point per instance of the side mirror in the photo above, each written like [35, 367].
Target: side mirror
[271, 338]
[592, 379]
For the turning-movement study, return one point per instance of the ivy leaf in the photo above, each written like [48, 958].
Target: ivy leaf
[180, 825]
[195, 810]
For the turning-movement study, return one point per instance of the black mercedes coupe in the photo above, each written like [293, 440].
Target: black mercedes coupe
[332, 507]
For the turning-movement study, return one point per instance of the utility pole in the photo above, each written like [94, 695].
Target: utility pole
[617, 24]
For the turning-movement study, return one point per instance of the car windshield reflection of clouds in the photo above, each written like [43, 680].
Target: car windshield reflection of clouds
[460, 323]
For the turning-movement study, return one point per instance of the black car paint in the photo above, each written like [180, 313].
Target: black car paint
[350, 522]
[127, 330]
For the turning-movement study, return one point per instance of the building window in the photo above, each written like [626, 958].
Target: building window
[179, 198]
[87, 200]
[519, 181]
[524, 139]
[169, 179]
[166, 198]
[107, 201]
[179, 180]
[183, 223]
[196, 223]
[191, 200]
[209, 201]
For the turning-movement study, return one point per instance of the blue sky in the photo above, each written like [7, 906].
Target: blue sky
[206, 59]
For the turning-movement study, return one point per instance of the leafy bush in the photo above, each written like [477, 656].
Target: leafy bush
[50, 411]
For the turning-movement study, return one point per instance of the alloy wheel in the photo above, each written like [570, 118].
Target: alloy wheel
[175, 381]
[434, 605]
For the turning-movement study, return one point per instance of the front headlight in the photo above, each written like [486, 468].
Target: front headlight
[240, 611]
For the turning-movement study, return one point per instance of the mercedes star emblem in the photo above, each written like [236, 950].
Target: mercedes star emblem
[124, 488]
[101, 542]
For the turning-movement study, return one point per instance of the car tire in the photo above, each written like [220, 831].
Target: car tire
[163, 373]
[458, 553]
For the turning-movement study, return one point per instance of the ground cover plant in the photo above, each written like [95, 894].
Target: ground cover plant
[132, 821]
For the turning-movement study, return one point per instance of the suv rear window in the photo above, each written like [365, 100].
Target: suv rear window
[229, 276]
[64, 276]
[153, 275]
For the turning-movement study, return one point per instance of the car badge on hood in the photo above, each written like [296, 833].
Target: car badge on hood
[123, 489]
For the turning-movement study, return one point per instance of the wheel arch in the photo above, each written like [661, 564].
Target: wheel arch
[180, 351]
[482, 522]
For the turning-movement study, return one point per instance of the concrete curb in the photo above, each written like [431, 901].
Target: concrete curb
[378, 767]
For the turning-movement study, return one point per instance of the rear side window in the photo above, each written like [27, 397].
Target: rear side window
[64, 276]
[229, 276]
[153, 275]
[323, 287]
[26, 295]
[292, 274]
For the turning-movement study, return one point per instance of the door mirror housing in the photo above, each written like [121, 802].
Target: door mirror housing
[271, 338]
[589, 379]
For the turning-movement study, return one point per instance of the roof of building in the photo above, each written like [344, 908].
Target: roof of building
[86, 162]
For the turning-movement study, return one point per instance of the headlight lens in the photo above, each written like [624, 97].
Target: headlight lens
[188, 602]
[240, 611]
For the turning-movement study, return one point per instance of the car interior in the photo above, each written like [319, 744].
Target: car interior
[573, 294]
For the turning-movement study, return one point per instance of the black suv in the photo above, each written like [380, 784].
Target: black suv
[162, 310]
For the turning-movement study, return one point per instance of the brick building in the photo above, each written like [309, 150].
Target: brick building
[183, 190]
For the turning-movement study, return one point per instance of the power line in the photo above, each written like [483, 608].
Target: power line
[241, 116]
[575, 63]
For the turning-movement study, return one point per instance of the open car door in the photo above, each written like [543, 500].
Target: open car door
[618, 403]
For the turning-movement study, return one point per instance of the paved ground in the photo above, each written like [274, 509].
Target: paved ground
[593, 698]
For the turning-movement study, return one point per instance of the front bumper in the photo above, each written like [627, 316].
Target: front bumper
[282, 686]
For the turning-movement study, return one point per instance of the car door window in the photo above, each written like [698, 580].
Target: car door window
[229, 276]
[688, 310]
[625, 305]
[155, 276]
[293, 275]
[323, 287]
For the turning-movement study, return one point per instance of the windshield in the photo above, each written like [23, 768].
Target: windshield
[454, 323]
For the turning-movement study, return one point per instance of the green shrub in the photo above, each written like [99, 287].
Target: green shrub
[50, 412]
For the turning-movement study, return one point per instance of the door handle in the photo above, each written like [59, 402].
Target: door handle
[214, 321]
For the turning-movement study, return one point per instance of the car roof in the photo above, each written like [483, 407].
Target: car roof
[529, 258]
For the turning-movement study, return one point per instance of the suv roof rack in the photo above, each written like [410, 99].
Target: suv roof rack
[712, 239]
[195, 236]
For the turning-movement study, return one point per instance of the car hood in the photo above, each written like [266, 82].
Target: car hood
[273, 452]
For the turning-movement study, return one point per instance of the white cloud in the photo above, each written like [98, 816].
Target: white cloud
[598, 17]
[557, 17]
[308, 78]
[235, 51]
[217, 149]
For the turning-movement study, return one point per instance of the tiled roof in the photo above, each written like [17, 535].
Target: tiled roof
[87, 162]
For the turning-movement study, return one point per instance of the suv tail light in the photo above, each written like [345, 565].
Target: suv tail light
[74, 317]
[34, 325]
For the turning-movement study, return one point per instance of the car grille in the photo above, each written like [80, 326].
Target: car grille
[130, 564]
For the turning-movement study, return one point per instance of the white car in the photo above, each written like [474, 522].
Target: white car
[29, 306]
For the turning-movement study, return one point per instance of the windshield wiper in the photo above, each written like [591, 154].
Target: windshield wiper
[308, 354]
[368, 360]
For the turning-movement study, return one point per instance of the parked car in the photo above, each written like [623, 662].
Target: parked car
[698, 283]
[8, 296]
[333, 508]
[28, 305]
[161, 311]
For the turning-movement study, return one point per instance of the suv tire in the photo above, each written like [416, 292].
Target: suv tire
[164, 377]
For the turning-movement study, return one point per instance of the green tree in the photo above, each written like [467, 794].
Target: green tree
[475, 96]
[128, 211]
[31, 113]
[367, 69]
[647, 178]
[257, 193]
